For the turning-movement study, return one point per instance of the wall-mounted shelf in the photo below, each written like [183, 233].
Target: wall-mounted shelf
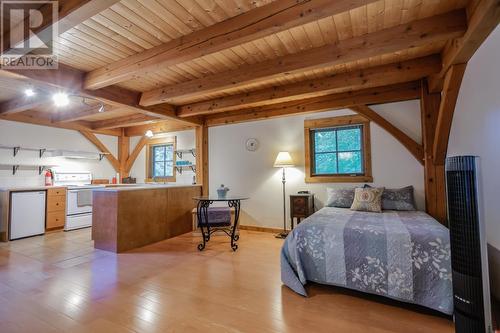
[17, 167]
[56, 152]
[180, 152]
[181, 168]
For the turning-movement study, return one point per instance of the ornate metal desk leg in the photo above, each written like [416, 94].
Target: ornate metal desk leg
[202, 215]
[234, 236]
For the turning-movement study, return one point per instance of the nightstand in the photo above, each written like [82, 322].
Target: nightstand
[301, 206]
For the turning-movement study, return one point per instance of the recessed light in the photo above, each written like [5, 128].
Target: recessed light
[29, 92]
[60, 99]
[149, 134]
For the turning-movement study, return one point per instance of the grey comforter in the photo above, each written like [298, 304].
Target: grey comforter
[400, 255]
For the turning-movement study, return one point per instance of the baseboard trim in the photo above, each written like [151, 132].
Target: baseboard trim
[261, 229]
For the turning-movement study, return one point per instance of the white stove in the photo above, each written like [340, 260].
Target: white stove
[78, 199]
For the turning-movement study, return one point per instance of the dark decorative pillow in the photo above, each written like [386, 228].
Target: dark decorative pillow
[398, 199]
[339, 197]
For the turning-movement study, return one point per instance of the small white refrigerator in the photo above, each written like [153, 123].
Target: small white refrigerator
[27, 214]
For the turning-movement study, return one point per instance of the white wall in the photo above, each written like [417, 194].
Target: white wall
[185, 140]
[476, 126]
[19, 134]
[28, 135]
[252, 173]
[476, 131]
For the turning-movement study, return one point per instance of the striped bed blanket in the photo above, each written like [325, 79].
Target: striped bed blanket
[400, 255]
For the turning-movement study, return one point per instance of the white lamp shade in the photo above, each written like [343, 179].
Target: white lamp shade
[283, 160]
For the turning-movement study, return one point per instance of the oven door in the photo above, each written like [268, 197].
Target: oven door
[72, 203]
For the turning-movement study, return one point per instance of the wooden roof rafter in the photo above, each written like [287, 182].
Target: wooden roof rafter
[405, 36]
[259, 22]
[383, 75]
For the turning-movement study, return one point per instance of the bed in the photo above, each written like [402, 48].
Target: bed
[403, 255]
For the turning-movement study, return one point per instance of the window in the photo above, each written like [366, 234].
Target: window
[160, 160]
[338, 150]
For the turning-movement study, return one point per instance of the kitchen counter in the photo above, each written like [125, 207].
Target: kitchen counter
[27, 188]
[128, 217]
[137, 187]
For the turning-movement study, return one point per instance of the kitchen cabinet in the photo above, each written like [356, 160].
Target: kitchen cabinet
[56, 208]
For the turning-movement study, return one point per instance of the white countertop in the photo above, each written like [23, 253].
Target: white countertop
[27, 188]
[105, 187]
[136, 187]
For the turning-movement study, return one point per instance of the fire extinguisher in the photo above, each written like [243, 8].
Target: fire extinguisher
[48, 178]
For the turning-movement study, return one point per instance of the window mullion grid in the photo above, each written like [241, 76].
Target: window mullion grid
[337, 151]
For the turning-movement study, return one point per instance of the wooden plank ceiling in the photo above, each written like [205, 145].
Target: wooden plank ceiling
[182, 62]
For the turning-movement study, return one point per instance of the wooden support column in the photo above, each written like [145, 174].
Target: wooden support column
[123, 154]
[435, 194]
[202, 157]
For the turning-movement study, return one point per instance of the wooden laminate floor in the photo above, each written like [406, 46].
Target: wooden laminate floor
[59, 283]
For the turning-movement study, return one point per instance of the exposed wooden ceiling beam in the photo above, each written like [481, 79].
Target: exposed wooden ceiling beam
[400, 72]
[80, 114]
[451, 88]
[102, 148]
[413, 147]
[387, 94]
[483, 19]
[76, 125]
[69, 79]
[21, 104]
[124, 121]
[405, 36]
[159, 127]
[259, 22]
[70, 14]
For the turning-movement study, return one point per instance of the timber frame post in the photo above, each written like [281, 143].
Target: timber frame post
[435, 189]
[201, 134]
[123, 155]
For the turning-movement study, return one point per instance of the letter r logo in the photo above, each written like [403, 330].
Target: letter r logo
[28, 27]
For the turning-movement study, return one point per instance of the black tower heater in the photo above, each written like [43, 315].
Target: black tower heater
[469, 260]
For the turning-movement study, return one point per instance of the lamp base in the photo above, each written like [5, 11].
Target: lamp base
[282, 235]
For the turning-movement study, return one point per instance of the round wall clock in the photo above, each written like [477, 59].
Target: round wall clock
[252, 144]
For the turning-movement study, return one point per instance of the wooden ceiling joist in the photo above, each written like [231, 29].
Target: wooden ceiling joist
[124, 121]
[76, 125]
[159, 127]
[259, 22]
[387, 94]
[70, 80]
[400, 72]
[406, 36]
[483, 19]
[413, 147]
[21, 104]
[81, 114]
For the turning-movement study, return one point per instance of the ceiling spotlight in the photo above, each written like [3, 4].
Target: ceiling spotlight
[149, 134]
[29, 92]
[101, 109]
[60, 99]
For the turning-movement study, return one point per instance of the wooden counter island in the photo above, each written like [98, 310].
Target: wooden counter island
[125, 218]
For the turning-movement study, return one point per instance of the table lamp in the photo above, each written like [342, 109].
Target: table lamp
[283, 160]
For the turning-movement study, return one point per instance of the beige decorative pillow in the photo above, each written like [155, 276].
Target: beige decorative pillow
[368, 199]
